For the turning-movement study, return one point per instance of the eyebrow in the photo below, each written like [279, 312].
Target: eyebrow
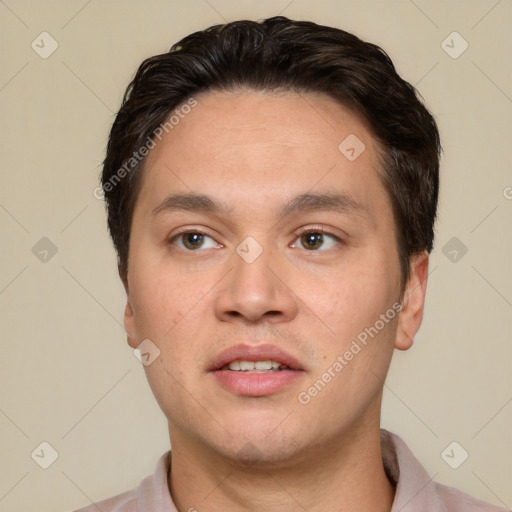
[329, 202]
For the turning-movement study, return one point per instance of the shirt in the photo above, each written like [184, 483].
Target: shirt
[415, 491]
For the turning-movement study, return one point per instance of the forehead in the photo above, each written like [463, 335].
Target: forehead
[261, 145]
[246, 117]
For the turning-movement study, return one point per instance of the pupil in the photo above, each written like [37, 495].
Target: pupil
[313, 239]
[193, 240]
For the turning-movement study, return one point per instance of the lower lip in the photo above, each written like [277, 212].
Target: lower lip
[257, 384]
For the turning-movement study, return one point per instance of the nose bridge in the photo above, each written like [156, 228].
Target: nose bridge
[253, 288]
[253, 261]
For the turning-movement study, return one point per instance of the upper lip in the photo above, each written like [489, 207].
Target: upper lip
[254, 353]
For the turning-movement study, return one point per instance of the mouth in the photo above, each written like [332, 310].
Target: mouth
[256, 366]
[257, 370]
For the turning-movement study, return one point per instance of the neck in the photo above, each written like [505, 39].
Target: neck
[344, 476]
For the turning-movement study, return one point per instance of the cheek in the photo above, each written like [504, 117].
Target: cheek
[157, 300]
[173, 310]
[355, 296]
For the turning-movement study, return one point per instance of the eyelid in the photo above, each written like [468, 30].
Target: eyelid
[320, 229]
[190, 229]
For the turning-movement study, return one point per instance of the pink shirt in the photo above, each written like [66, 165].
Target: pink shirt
[415, 490]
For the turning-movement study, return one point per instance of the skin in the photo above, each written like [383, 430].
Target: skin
[255, 151]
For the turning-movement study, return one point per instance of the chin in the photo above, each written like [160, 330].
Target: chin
[263, 441]
[265, 454]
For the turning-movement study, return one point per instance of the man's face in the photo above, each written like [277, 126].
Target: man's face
[201, 282]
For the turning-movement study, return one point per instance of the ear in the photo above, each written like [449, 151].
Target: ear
[129, 318]
[411, 315]
[130, 325]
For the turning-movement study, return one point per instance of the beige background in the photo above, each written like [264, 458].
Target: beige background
[67, 374]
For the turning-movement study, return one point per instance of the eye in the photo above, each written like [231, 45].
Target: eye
[312, 239]
[193, 240]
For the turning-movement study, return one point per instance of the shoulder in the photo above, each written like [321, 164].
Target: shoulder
[415, 489]
[124, 502]
[152, 494]
[455, 500]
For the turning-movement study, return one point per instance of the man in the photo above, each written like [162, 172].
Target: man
[271, 192]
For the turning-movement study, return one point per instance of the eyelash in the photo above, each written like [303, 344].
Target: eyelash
[297, 235]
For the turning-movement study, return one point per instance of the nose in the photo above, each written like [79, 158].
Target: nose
[256, 291]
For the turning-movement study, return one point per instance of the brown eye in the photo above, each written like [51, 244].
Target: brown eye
[314, 239]
[193, 240]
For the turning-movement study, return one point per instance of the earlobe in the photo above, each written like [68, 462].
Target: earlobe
[411, 314]
[129, 325]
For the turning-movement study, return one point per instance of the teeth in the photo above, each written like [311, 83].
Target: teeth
[263, 365]
[235, 365]
[246, 365]
[250, 366]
